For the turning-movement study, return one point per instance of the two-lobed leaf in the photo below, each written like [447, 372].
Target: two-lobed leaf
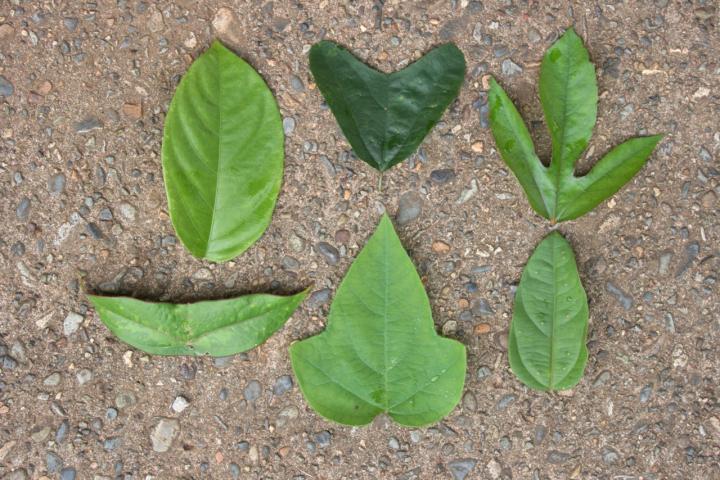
[546, 343]
[568, 94]
[213, 327]
[380, 352]
[222, 155]
[385, 117]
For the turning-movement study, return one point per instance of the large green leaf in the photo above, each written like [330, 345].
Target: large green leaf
[546, 343]
[380, 351]
[568, 93]
[214, 327]
[385, 117]
[222, 156]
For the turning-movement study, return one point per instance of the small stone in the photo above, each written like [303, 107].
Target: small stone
[111, 443]
[44, 88]
[394, 443]
[409, 207]
[132, 110]
[505, 401]
[105, 215]
[664, 263]
[330, 253]
[252, 391]
[286, 415]
[692, 251]
[296, 83]
[72, 323]
[68, 473]
[23, 209]
[127, 211]
[53, 462]
[461, 468]
[124, 400]
[494, 469]
[88, 124]
[84, 376]
[164, 433]
[57, 183]
[610, 456]
[342, 236]
[290, 263]
[510, 68]
[601, 379]
[438, 246]
[646, 393]
[179, 404]
[442, 176]
[323, 438]
[155, 22]
[556, 457]
[6, 88]
[62, 431]
[227, 25]
[481, 308]
[482, 329]
[282, 384]
[478, 147]
[449, 328]
[288, 125]
[319, 298]
[202, 274]
[70, 23]
[625, 301]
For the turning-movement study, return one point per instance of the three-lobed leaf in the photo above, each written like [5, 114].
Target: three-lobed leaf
[213, 327]
[222, 155]
[546, 343]
[568, 94]
[385, 117]
[380, 352]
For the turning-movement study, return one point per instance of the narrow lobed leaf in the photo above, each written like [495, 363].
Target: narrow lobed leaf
[380, 352]
[214, 327]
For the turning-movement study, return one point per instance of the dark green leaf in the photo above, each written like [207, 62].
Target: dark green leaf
[215, 327]
[380, 352]
[546, 343]
[568, 92]
[222, 156]
[385, 117]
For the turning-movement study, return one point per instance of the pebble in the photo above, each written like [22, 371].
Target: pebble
[127, 211]
[330, 253]
[288, 125]
[342, 236]
[610, 456]
[88, 125]
[282, 384]
[62, 431]
[72, 323]
[296, 83]
[23, 209]
[443, 175]
[664, 263]
[53, 462]
[57, 183]
[105, 214]
[235, 470]
[556, 457]
[84, 376]
[505, 401]
[162, 436]
[461, 468]
[290, 263]
[323, 438]
[481, 308]
[111, 443]
[319, 298]
[438, 246]
[227, 25]
[52, 380]
[510, 68]
[124, 400]
[601, 379]
[7, 362]
[252, 391]
[286, 415]
[6, 88]
[646, 393]
[68, 473]
[409, 207]
[394, 443]
[70, 23]
[625, 301]
[202, 274]
[691, 253]
[179, 404]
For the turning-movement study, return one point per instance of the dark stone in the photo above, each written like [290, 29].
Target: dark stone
[443, 175]
[330, 253]
[461, 468]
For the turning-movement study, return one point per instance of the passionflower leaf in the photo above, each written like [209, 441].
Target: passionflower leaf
[385, 116]
[380, 352]
[568, 94]
[222, 155]
[213, 327]
[548, 330]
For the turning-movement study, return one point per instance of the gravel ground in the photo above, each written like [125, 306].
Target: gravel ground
[84, 87]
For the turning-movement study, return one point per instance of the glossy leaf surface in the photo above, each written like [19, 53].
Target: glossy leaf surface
[385, 117]
[214, 327]
[568, 93]
[546, 343]
[380, 352]
[222, 156]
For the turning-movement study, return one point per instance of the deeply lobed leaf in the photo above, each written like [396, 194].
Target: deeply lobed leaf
[546, 343]
[222, 155]
[385, 117]
[215, 327]
[380, 352]
[568, 93]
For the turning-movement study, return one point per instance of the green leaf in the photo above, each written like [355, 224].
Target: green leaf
[215, 327]
[385, 117]
[568, 93]
[546, 343]
[222, 156]
[380, 352]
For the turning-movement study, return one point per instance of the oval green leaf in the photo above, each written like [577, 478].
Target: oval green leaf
[222, 156]
[214, 327]
[385, 117]
[546, 343]
[380, 352]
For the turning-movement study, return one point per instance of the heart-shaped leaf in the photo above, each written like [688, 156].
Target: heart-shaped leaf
[213, 327]
[385, 117]
[568, 93]
[546, 343]
[380, 352]
[222, 156]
